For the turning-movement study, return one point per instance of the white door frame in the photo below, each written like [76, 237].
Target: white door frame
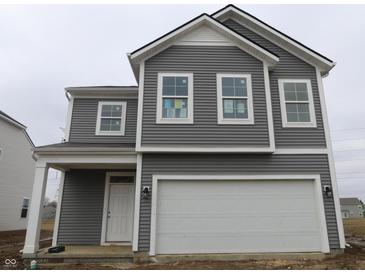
[315, 178]
[106, 203]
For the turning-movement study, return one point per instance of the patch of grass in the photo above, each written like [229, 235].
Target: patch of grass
[354, 227]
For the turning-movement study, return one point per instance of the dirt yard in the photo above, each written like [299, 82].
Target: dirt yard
[11, 242]
[353, 258]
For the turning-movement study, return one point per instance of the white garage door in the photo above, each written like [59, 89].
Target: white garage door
[237, 216]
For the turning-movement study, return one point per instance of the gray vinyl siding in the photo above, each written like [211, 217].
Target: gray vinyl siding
[234, 164]
[83, 122]
[204, 62]
[289, 67]
[82, 207]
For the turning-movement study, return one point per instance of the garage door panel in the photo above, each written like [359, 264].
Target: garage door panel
[253, 242]
[181, 205]
[235, 224]
[236, 216]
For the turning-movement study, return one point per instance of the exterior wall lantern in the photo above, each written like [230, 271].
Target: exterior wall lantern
[327, 190]
[146, 192]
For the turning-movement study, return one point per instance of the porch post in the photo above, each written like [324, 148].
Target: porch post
[36, 206]
[58, 210]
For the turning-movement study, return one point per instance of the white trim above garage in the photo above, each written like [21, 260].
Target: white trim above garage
[324, 243]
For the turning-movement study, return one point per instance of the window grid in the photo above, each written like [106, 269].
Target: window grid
[111, 120]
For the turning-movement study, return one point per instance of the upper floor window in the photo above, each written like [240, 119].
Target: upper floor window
[296, 101]
[25, 207]
[175, 98]
[111, 118]
[234, 99]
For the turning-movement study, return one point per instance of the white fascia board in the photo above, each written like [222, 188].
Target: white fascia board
[169, 39]
[104, 93]
[275, 37]
[18, 125]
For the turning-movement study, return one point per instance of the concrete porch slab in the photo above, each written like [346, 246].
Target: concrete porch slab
[86, 254]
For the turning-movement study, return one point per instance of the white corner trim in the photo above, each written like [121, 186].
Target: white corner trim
[315, 177]
[106, 202]
[331, 160]
[69, 118]
[190, 97]
[58, 210]
[312, 113]
[221, 119]
[140, 106]
[137, 202]
[123, 118]
[270, 119]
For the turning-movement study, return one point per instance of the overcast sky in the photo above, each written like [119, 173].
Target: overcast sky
[46, 48]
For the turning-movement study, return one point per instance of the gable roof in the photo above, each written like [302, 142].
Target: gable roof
[166, 40]
[11, 120]
[17, 124]
[309, 55]
[350, 201]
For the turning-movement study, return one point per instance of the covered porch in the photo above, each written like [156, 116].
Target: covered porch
[96, 200]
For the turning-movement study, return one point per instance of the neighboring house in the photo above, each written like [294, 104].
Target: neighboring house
[223, 147]
[351, 208]
[16, 174]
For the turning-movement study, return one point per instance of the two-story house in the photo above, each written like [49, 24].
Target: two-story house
[16, 173]
[223, 147]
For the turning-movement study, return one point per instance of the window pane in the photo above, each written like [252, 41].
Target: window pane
[227, 82]
[240, 87]
[235, 108]
[111, 111]
[110, 124]
[301, 87]
[241, 109]
[116, 111]
[175, 108]
[106, 110]
[297, 112]
[289, 86]
[290, 96]
[168, 81]
[182, 90]
[168, 90]
[302, 95]
[228, 91]
[228, 108]
[175, 86]
[295, 92]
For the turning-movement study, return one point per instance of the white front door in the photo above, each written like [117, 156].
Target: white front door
[120, 213]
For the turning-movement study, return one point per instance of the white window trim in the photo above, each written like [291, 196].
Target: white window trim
[240, 121]
[312, 114]
[190, 116]
[123, 119]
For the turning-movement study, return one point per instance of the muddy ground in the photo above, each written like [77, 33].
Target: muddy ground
[353, 257]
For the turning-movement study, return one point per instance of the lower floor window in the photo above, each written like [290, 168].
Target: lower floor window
[25, 206]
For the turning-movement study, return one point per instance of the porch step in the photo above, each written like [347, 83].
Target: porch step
[82, 260]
